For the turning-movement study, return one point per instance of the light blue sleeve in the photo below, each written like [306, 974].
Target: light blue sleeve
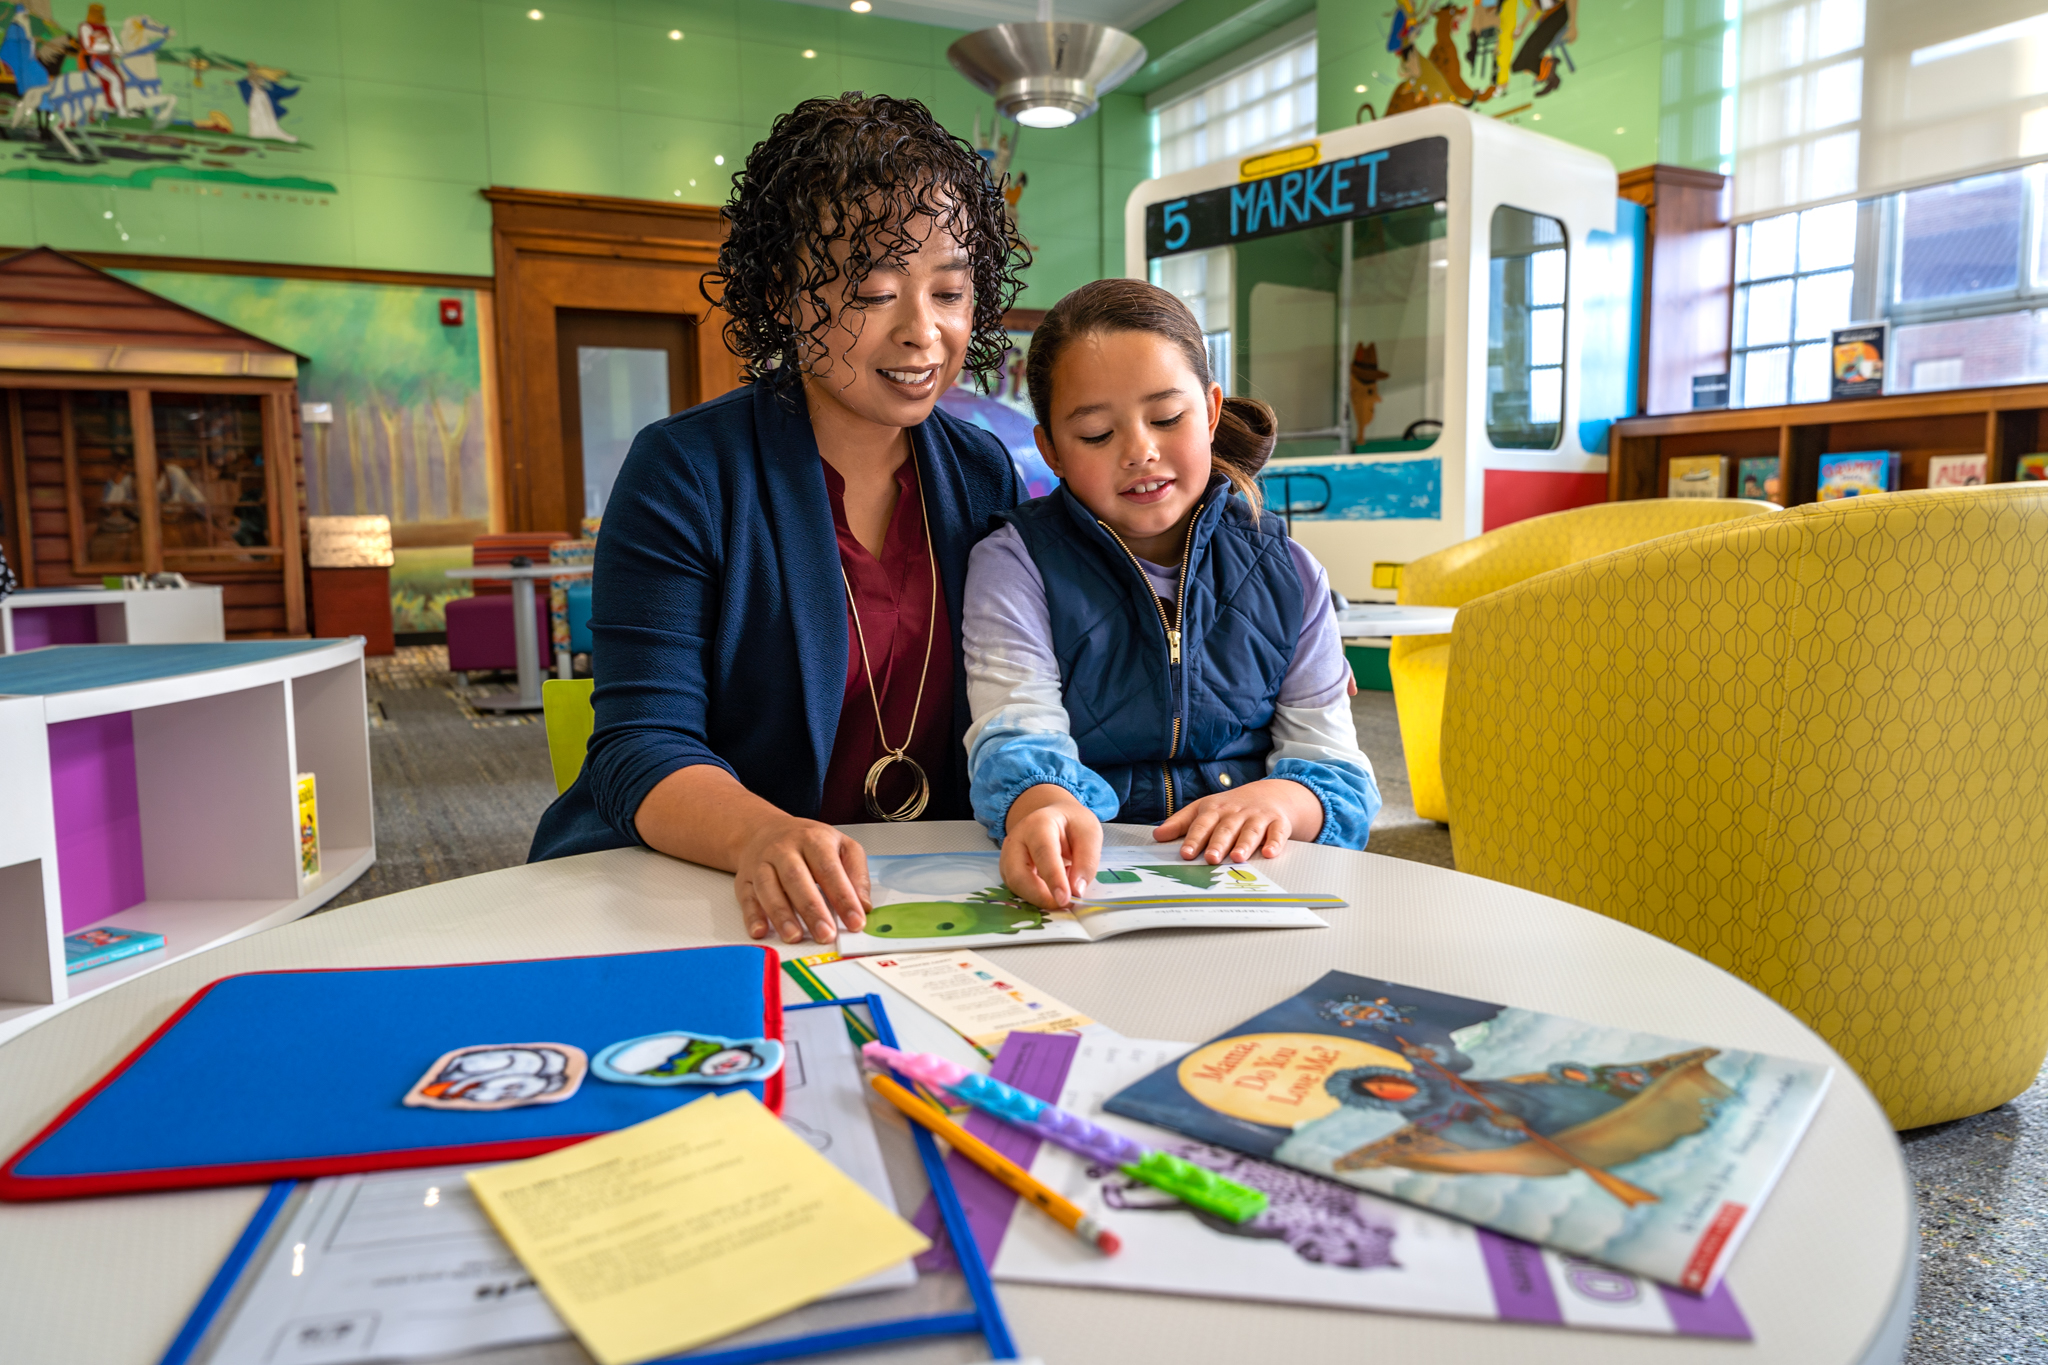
[1019, 737]
[1348, 792]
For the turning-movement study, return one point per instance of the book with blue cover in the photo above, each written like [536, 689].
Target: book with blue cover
[1857, 473]
[1648, 1153]
[89, 948]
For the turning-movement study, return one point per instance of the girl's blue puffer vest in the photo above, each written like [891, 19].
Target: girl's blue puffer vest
[1168, 714]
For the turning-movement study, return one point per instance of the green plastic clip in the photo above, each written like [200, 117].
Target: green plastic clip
[1204, 1189]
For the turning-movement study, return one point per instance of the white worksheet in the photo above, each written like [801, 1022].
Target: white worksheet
[398, 1265]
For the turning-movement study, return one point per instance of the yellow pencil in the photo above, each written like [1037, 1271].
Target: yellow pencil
[1064, 1211]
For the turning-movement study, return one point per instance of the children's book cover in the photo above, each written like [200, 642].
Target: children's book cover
[1696, 476]
[89, 948]
[1755, 476]
[1647, 1153]
[943, 901]
[1956, 471]
[1855, 473]
[2033, 468]
[1315, 1242]
[1858, 361]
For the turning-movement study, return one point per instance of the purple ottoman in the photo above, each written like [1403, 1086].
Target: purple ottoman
[480, 632]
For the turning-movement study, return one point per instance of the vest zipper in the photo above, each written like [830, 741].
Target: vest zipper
[1180, 616]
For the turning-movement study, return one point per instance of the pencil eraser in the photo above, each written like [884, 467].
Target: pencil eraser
[1110, 1243]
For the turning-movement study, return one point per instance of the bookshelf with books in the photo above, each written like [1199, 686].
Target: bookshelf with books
[2004, 425]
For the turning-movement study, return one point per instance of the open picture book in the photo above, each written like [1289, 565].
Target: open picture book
[1647, 1153]
[932, 901]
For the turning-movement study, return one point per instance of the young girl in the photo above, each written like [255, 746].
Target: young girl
[1145, 643]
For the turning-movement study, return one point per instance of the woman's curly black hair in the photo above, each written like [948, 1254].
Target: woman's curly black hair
[863, 169]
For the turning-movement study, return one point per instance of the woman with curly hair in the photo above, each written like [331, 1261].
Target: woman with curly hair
[776, 603]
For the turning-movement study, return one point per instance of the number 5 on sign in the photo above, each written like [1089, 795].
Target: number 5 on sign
[1177, 225]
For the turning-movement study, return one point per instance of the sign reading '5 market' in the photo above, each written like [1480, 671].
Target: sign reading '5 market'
[1356, 187]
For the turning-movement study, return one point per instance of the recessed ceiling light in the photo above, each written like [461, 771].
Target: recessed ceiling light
[535, 14]
[810, 52]
[1359, 88]
[1619, 131]
[718, 161]
[679, 193]
[675, 35]
[108, 214]
[693, 183]
[860, 6]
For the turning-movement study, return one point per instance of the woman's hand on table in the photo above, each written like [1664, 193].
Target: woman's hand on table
[1051, 848]
[1258, 818]
[799, 876]
[792, 876]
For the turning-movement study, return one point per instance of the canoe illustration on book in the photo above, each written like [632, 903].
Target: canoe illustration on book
[1567, 1118]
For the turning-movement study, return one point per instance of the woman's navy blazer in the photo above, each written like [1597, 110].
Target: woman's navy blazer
[718, 615]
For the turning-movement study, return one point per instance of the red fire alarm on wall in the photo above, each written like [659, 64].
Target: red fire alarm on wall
[451, 312]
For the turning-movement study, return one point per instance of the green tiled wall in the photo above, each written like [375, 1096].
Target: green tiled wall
[408, 107]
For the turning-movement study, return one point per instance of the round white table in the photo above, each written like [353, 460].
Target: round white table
[1826, 1275]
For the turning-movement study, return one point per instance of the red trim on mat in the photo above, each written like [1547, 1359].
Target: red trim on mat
[16, 1188]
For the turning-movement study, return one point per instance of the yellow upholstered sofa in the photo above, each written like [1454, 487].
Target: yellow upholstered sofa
[1453, 577]
[1810, 747]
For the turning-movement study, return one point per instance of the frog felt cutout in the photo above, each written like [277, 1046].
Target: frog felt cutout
[999, 913]
[679, 1058]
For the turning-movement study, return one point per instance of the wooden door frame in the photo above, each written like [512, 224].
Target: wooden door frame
[585, 251]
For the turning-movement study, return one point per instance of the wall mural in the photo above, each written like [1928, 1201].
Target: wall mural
[118, 102]
[405, 429]
[1525, 38]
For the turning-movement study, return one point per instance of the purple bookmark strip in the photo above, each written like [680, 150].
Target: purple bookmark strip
[1037, 1064]
[1522, 1291]
[1521, 1287]
[1713, 1316]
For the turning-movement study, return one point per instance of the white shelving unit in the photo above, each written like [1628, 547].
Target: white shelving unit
[154, 616]
[220, 732]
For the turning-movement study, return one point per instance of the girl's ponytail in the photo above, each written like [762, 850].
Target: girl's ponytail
[1243, 443]
[1244, 437]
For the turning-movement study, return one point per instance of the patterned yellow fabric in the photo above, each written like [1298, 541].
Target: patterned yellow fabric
[1488, 563]
[1810, 747]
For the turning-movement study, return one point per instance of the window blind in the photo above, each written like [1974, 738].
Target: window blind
[1842, 99]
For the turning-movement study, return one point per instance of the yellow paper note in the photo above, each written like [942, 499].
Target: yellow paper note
[975, 998]
[687, 1228]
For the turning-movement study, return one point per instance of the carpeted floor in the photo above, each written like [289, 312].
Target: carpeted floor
[458, 792]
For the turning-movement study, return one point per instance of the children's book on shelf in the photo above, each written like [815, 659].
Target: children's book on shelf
[1315, 1242]
[1858, 356]
[1755, 475]
[1649, 1154]
[1696, 476]
[89, 948]
[929, 902]
[1956, 471]
[1858, 472]
[2033, 468]
[309, 828]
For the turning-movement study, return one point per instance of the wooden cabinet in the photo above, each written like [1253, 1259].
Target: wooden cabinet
[142, 437]
[2002, 423]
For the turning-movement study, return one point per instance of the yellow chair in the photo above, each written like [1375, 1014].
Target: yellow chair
[1811, 748]
[1488, 563]
[566, 712]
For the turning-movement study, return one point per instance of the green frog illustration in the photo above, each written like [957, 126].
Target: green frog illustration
[992, 910]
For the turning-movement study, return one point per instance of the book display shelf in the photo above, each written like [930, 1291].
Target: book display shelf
[34, 617]
[154, 787]
[2001, 423]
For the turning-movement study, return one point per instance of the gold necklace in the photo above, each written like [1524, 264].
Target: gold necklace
[914, 806]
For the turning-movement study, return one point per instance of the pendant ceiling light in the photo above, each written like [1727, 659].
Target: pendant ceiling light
[1047, 74]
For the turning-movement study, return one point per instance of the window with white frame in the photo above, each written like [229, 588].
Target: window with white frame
[1795, 274]
[1960, 270]
[1269, 103]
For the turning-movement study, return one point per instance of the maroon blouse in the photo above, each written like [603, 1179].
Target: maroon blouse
[894, 595]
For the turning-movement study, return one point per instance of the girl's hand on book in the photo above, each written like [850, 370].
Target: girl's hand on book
[1052, 848]
[1259, 817]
